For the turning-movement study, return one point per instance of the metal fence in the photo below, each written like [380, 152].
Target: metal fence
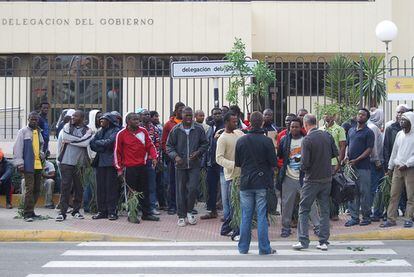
[125, 82]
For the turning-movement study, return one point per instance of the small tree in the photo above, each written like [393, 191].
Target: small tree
[263, 78]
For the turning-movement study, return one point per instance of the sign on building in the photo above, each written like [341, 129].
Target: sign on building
[205, 69]
[400, 88]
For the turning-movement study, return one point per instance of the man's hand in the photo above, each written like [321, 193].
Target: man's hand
[178, 160]
[378, 166]
[154, 163]
[20, 168]
[353, 162]
[389, 172]
[337, 168]
[121, 177]
[194, 155]
[402, 168]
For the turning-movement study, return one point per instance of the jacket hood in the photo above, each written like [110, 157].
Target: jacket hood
[111, 118]
[410, 116]
[377, 117]
[92, 119]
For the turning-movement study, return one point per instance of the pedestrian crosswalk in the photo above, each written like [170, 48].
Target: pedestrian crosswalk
[205, 259]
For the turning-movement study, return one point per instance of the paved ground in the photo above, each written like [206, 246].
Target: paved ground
[204, 259]
[165, 229]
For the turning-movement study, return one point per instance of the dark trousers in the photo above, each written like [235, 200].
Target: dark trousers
[32, 191]
[213, 179]
[161, 185]
[6, 189]
[188, 181]
[71, 182]
[137, 178]
[172, 204]
[107, 189]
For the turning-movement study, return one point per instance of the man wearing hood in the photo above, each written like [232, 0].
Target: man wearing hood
[401, 168]
[94, 125]
[64, 118]
[106, 177]
[169, 125]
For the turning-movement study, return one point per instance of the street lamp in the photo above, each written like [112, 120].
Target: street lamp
[386, 31]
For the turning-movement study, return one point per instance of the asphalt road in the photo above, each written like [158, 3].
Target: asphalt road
[108, 259]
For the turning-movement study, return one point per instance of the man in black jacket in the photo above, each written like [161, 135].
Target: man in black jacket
[106, 177]
[186, 144]
[255, 154]
[213, 169]
[6, 171]
[318, 149]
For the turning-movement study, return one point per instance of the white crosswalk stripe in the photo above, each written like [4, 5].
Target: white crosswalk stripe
[208, 259]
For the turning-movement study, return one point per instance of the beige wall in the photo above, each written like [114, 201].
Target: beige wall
[177, 27]
[402, 15]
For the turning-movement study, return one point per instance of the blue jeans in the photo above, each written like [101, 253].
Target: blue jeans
[308, 194]
[225, 195]
[152, 185]
[249, 200]
[376, 176]
[363, 199]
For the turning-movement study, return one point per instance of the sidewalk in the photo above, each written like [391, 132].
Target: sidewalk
[165, 229]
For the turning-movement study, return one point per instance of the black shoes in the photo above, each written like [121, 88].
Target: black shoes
[150, 217]
[100, 215]
[113, 217]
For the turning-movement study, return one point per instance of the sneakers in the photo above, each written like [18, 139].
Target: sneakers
[272, 251]
[192, 220]
[408, 224]
[285, 233]
[235, 238]
[209, 215]
[28, 219]
[78, 215]
[150, 217]
[352, 222]
[365, 222]
[99, 215]
[113, 217]
[387, 224]
[299, 246]
[181, 222]
[322, 246]
[155, 212]
[9, 206]
[194, 211]
[60, 217]
[171, 212]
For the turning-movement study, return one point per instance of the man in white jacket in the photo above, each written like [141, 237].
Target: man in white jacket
[401, 168]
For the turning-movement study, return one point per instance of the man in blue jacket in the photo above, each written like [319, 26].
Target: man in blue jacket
[6, 171]
[106, 177]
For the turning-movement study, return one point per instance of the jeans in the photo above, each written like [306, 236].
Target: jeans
[363, 199]
[87, 197]
[172, 204]
[49, 185]
[213, 179]
[152, 185]
[161, 181]
[225, 195]
[376, 176]
[308, 194]
[249, 200]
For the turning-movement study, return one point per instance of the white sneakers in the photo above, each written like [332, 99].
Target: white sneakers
[181, 222]
[300, 246]
[192, 220]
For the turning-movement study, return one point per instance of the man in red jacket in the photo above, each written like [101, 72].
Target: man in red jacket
[174, 120]
[133, 146]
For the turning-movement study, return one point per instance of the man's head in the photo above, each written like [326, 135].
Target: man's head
[235, 109]
[406, 122]
[118, 117]
[288, 119]
[295, 127]
[329, 118]
[78, 118]
[230, 121]
[33, 119]
[309, 121]
[144, 115]
[132, 120]
[187, 116]
[256, 120]
[199, 116]
[400, 110]
[268, 116]
[216, 113]
[178, 110]
[44, 108]
[301, 113]
[98, 119]
[225, 109]
[155, 117]
[104, 121]
[363, 116]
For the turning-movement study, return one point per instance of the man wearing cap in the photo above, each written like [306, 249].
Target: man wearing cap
[28, 156]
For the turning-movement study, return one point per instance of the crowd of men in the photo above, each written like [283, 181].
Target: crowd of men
[164, 163]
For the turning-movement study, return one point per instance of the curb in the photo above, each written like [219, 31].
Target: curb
[390, 234]
[59, 236]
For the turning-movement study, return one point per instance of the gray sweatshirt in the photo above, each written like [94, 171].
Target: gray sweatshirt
[76, 140]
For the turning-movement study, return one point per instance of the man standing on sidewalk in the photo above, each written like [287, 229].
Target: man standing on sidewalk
[318, 149]
[186, 145]
[175, 119]
[133, 147]
[213, 169]
[44, 125]
[255, 154]
[28, 156]
[73, 157]
[6, 172]
[360, 144]
[401, 168]
[225, 156]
